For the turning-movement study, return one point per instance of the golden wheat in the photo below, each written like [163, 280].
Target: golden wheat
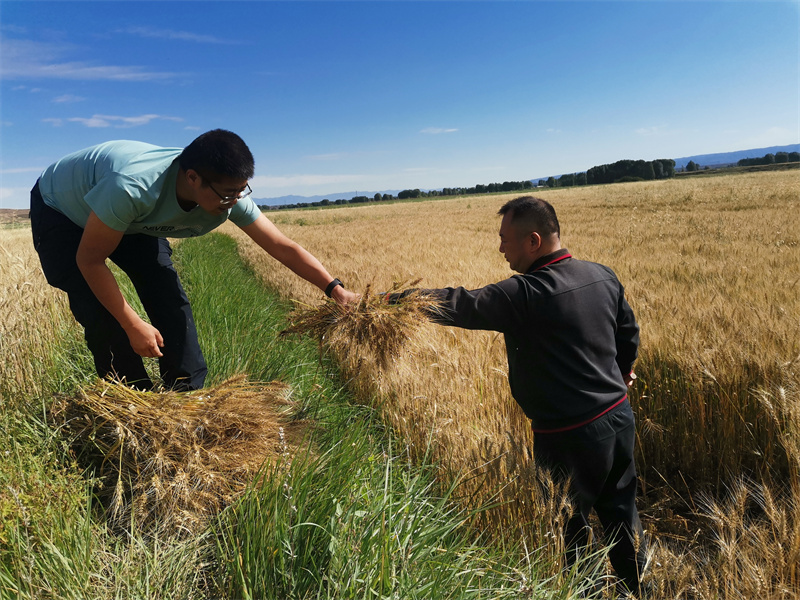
[371, 329]
[711, 269]
[31, 315]
[172, 460]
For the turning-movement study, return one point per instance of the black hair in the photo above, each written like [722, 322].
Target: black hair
[532, 214]
[218, 154]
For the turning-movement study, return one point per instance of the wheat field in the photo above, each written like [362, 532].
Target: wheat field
[711, 267]
[31, 312]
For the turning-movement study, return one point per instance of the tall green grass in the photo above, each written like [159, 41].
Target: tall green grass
[355, 523]
[351, 517]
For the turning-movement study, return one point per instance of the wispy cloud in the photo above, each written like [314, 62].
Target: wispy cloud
[15, 196]
[20, 170]
[772, 136]
[331, 156]
[68, 99]
[171, 34]
[303, 180]
[111, 121]
[437, 130]
[25, 88]
[14, 29]
[27, 59]
[652, 130]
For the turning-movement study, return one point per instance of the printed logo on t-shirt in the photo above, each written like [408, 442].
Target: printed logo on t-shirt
[160, 228]
[193, 231]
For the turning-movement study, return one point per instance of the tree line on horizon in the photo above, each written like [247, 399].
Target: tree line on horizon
[617, 172]
[490, 188]
[770, 159]
[622, 170]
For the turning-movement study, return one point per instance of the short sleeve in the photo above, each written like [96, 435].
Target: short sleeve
[245, 212]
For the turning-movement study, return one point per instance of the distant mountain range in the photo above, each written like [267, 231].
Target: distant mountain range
[731, 158]
[292, 199]
[720, 159]
[704, 160]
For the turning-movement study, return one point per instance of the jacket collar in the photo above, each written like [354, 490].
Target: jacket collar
[549, 259]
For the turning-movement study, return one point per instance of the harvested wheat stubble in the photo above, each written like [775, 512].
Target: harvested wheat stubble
[174, 459]
[369, 327]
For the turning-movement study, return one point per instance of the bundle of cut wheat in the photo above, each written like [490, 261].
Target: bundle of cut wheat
[171, 459]
[371, 327]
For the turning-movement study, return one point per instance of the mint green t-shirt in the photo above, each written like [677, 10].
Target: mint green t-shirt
[130, 186]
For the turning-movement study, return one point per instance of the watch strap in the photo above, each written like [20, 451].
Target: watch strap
[331, 285]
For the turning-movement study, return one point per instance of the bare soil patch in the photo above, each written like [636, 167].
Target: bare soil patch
[13, 216]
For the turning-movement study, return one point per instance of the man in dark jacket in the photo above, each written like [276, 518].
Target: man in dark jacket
[571, 340]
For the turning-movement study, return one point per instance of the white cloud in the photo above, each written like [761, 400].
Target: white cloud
[14, 29]
[95, 121]
[295, 181]
[112, 120]
[19, 170]
[653, 130]
[171, 34]
[772, 136]
[117, 122]
[26, 59]
[22, 88]
[437, 130]
[68, 98]
[86, 72]
[15, 197]
[331, 156]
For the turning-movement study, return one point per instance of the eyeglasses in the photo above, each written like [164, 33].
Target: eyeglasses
[228, 200]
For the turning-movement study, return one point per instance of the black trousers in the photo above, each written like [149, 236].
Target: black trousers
[147, 261]
[598, 458]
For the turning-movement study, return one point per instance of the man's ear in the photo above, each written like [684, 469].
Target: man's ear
[535, 241]
[193, 178]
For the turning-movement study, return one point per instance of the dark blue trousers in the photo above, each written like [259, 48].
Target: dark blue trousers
[598, 459]
[147, 261]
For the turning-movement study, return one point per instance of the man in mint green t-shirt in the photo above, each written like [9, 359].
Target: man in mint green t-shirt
[120, 201]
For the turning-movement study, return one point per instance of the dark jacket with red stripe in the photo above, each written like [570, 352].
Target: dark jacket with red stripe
[570, 336]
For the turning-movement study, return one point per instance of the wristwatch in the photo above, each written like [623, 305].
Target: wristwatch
[331, 285]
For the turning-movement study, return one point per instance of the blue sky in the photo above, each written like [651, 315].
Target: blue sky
[372, 96]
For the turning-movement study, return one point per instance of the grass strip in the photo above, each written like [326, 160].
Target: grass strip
[351, 516]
